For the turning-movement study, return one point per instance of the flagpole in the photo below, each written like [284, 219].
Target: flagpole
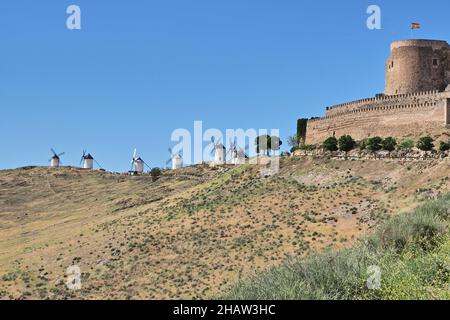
[414, 26]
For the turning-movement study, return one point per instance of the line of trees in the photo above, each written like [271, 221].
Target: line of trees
[345, 143]
[375, 144]
[266, 143]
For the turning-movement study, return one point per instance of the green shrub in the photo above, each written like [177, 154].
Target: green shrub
[403, 229]
[389, 144]
[346, 143]
[425, 143]
[374, 144]
[406, 145]
[444, 146]
[155, 173]
[330, 144]
[362, 145]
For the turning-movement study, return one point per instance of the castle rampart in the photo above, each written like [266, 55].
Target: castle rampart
[416, 100]
[401, 118]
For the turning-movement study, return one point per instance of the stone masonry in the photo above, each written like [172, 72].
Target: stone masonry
[416, 100]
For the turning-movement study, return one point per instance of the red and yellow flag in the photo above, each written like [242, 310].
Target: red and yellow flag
[415, 25]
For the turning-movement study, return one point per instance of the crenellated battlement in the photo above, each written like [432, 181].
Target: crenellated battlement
[349, 106]
[378, 108]
[372, 108]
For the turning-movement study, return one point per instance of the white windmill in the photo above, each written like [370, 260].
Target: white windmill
[176, 159]
[87, 161]
[137, 164]
[55, 161]
[219, 152]
[238, 155]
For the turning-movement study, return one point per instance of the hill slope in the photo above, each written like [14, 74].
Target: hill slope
[194, 232]
[407, 257]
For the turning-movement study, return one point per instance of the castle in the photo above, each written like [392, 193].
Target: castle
[416, 100]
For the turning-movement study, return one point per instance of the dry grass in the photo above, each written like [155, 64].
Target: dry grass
[193, 232]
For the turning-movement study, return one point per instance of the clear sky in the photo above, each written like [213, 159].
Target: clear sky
[139, 69]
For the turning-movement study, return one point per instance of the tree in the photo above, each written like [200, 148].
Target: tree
[374, 144]
[155, 173]
[406, 145]
[330, 144]
[362, 145]
[263, 143]
[444, 146]
[275, 143]
[389, 144]
[346, 144]
[425, 143]
[293, 141]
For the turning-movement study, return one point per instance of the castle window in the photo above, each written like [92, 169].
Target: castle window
[435, 62]
[390, 65]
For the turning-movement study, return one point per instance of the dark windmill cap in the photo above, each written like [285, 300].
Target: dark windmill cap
[88, 157]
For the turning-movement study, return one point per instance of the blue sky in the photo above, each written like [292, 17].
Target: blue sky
[139, 69]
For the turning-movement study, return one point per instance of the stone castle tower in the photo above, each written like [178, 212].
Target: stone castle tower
[416, 100]
[417, 66]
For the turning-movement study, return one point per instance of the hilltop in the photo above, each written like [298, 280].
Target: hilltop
[196, 231]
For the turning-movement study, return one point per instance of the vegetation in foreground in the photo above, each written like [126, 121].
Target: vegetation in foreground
[412, 252]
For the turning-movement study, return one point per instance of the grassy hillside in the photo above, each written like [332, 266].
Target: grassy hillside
[194, 232]
[412, 252]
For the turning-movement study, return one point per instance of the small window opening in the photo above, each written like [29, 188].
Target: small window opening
[390, 65]
[435, 62]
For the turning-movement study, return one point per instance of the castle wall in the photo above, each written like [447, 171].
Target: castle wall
[384, 119]
[448, 68]
[447, 113]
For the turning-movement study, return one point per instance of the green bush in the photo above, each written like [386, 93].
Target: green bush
[425, 143]
[155, 173]
[404, 229]
[362, 145]
[444, 146]
[406, 145]
[389, 144]
[346, 143]
[374, 144]
[330, 144]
